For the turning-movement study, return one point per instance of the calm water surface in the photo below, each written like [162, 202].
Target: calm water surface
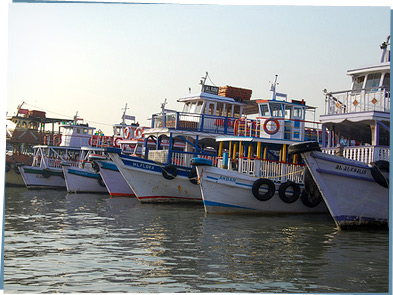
[59, 242]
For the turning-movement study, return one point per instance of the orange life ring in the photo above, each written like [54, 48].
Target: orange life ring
[271, 131]
[116, 142]
[57, 140]
[128, 132]
[139, 132]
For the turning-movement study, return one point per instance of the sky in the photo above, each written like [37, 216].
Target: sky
[94, 58]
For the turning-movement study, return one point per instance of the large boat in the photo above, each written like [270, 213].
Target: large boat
[352, 170]
[46, 168]
[165, 174]
[29, 128]
[255, 173]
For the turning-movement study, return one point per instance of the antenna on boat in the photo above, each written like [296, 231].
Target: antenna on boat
[124, 115]
[385, 56]
[203, 81]
[273, 87]
[163, 106]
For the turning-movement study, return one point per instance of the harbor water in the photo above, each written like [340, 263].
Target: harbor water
[60, 242]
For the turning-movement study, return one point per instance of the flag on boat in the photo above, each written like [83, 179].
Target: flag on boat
[281, 94]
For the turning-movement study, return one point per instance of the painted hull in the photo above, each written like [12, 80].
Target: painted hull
[13, 178]
[37, 177]
[114, 181]
[146, 180]
[80, 180]
[353, 197]
[226, 191]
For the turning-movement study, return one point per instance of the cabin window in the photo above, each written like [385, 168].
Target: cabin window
[264, 109]
[228, 110]
[298, 113]
[78, 131]
[210, 109]
[386, 80]
[90, 131]
[358, 83]
[186, 107]
[220, 109]
[198, 107]
[24, 125]
[276, 110]
[236, 111]
[373, 80]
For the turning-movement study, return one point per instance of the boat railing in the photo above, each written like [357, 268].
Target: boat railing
[194, 122]
[351, 101]
[178, 158]
[273, 170]
[365, 154]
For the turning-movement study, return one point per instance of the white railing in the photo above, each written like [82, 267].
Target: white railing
[275, 171]
[365, 154]
[375, 99]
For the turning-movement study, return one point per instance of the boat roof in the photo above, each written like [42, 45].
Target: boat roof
[56, 147]
[176, 132]
[357, 117]
[37, 119]
[208, 96]
[382, 66]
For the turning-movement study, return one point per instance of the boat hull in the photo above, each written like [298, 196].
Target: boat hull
[146, 179]
[42, 178]
[81, 180]
[227, 191]
[354, 198]
[114, 181]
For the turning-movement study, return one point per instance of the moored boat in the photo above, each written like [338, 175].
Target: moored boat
[255, 173]
[165, 174]
[352, 171]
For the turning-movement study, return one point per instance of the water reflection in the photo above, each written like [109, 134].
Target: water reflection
[59, 242]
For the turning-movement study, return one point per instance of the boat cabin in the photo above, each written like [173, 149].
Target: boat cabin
[74, 134]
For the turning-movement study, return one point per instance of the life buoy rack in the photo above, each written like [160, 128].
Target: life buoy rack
[377, 170]
[271, 131]
[169, 171]
[289, 192]
[271, 189]
[193, 176]
[57, 140]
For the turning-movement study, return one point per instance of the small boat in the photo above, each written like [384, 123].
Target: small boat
[65, 147]
[352, 169]
[164, 173]
[30, 129]
[92, 174]
[255, 174]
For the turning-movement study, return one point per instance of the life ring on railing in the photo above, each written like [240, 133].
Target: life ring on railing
[128, 132]
[116, 142]
[169, 171]
[236, 125]
[271, 189]
[377, 170]
[57, 140]
[291, 197]
[139, 132]
[271, 131]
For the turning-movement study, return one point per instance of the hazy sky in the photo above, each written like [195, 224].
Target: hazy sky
[95, 58]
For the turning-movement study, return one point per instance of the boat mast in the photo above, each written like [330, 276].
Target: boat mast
[385, 56]
[273, 88]
[124, 115]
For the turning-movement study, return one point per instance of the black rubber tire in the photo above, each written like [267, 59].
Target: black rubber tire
[302, 147]
[169, 172]
[261, 182]
[282, 192]
[101, 182]
[46, 173]
[95, 166]
[193, 176]
[376, 171]
[311, 196]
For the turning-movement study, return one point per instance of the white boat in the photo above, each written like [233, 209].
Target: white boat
[28, 129]
[86, 177]
[255, 174]
[352, 171]
[165, 174]
[46, 170]
[113, 180]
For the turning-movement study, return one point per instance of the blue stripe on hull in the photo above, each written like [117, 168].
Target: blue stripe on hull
[83, 173]
[216, 204]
